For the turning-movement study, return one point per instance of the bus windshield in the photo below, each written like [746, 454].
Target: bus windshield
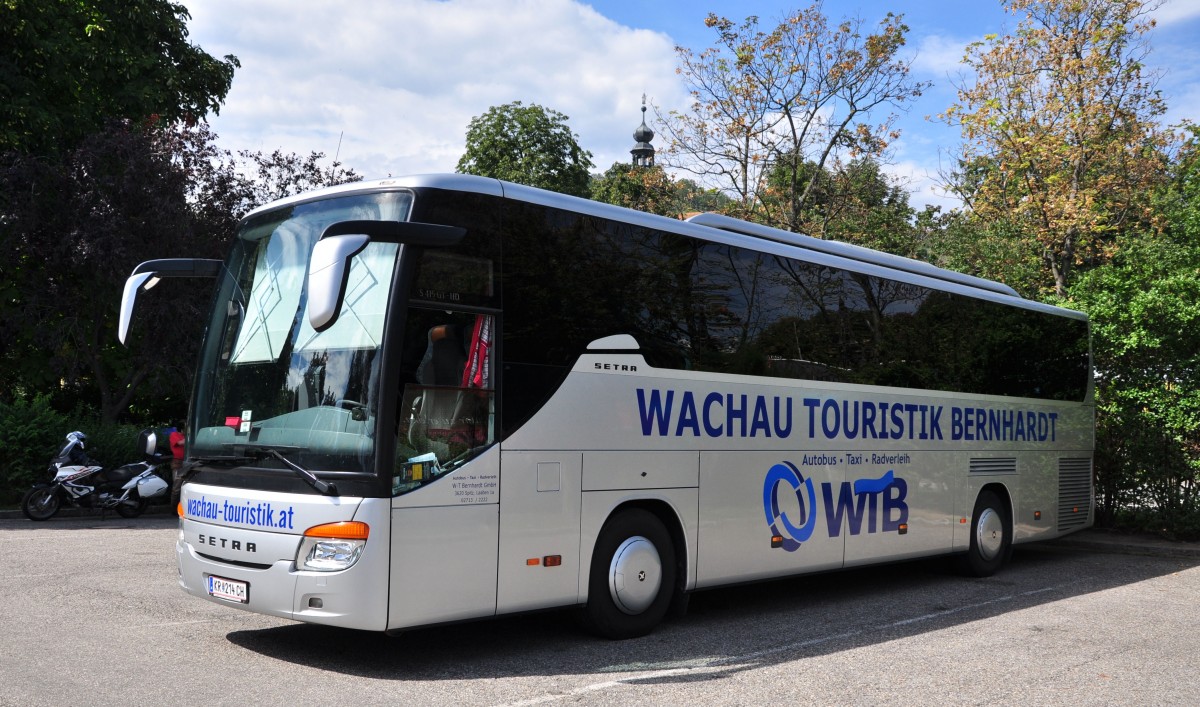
[267, 380]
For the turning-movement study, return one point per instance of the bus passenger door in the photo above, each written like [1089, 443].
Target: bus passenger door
[540, 493]
[444, 539]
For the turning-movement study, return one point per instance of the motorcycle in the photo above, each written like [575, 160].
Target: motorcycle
[75, 480]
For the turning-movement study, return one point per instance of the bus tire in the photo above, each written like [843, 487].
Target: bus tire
[632, 578]
[991, 536]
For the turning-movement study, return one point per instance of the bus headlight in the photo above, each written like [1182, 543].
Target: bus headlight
[332, 546]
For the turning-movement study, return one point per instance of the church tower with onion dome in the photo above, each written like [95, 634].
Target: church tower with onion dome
[643, 151]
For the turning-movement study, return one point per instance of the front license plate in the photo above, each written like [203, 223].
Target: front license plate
[229, 589]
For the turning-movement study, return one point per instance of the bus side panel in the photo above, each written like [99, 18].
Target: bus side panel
[443, 564]
[1057, 496]
[898, 505]
[614, 471]
[444, 539]
[1035, 508]
[541, 497]
[748, 497]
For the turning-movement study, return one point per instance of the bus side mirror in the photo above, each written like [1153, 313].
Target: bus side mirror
[328, 273]
[329, 267]
[129, 298]
[147, 275]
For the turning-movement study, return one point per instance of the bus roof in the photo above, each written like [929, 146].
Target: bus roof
[712, 223]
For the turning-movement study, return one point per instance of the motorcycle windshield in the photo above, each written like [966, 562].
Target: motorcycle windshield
[267, 380]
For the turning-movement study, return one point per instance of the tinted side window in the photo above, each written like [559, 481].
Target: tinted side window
[569, 279]
[764, 315]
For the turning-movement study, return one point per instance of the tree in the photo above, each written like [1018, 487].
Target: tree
[853, 202]
[1180, 201]
[67, 66]
[528, 145]
[957, 240]
[775, 103]
[1144, 307]
[75, 228]
[1060, 130]
[1145, 319]
[652, 190]
[281, 174]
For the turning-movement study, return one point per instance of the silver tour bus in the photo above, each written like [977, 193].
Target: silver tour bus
[443, 398]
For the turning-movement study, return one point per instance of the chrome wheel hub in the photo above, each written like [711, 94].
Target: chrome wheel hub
[989, 534]
[635, 575]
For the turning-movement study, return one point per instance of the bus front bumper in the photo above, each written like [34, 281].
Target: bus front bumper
[348, 598]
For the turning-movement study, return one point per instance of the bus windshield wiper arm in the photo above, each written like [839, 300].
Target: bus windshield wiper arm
[245, 452]
[323, 487]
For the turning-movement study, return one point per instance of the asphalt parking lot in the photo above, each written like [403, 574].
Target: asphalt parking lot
[93, 613]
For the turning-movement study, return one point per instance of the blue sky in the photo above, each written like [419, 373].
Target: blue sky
[390, 85]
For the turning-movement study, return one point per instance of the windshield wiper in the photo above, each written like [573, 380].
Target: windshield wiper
[323, 487]
[253, 453]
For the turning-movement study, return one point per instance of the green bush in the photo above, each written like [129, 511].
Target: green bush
[31, 432]
[1145, 319]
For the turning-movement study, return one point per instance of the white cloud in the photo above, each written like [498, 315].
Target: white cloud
[1173, 11]
[397, 82]
[923, 184]
[939, 55]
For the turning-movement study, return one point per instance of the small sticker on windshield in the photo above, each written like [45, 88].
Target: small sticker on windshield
[247, 416]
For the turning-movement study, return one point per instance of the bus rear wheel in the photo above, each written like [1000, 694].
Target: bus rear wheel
[991, 536]
[632, 576]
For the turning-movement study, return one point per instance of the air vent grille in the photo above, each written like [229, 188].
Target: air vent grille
[1074, 493]
[994, 465]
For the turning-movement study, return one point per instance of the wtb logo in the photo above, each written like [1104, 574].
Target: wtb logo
[880, 502]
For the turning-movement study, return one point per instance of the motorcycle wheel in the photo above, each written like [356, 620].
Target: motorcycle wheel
[126, 510]
[40, 503]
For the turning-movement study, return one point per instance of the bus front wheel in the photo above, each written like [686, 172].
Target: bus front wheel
[632, 576]
[991, 536]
